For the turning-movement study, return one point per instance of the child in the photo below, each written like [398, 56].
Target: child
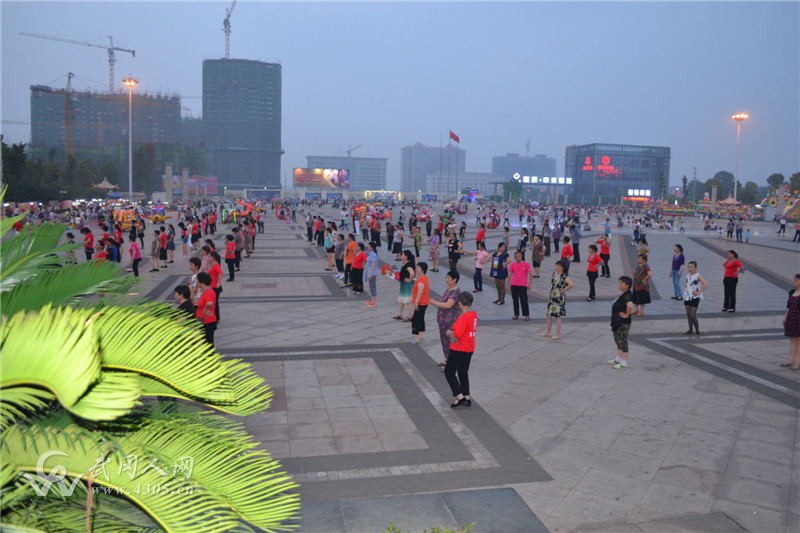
[419, 302]
[70, 256]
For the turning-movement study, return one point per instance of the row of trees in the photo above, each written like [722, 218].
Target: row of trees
[748, 192]
[52, 175]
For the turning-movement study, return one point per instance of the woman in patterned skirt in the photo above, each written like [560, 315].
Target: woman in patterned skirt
[557, 303]
[791, 325]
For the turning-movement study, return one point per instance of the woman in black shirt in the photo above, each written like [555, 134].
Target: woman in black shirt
[621, 312]
[454, 251]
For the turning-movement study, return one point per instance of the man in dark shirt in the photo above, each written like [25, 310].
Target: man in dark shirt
[183, 296]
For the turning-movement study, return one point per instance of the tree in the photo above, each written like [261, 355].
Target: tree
[709, 186]
[145, 172]
[725, 180]
[512, 190]
[685, 182]
[696, 190]
[794, 181]
[749, 193]
[91, 387]
[776, 180]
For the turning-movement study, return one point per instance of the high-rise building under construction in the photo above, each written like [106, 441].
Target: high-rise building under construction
[242, 121]
[84, 120]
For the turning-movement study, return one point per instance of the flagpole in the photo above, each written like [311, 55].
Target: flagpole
[448, 162]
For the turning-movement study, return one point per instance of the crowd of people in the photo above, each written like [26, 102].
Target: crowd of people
[353, 255]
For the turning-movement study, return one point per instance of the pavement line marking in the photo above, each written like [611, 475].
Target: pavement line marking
[732, 370]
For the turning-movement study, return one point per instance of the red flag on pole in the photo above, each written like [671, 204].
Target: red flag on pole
[455, 137]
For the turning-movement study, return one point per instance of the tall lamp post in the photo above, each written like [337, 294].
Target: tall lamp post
[739, 118]
[130, 83]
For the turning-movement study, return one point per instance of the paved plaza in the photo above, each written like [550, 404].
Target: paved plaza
[698, 434]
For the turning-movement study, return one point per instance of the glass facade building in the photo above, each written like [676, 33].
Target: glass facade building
[603, 173]
[242, 121]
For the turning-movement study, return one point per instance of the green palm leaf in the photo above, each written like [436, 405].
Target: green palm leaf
[225, 461]
[178, 505]
[156, 343]
[16, 402]
[115, 395]
[25, 255]
[55, 349]
[65, 285]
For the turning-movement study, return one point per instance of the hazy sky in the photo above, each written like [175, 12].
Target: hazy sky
[387, 75]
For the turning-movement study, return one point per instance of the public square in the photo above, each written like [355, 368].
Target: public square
[698, 434]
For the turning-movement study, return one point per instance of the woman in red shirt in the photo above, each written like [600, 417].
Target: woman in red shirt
[732, 267]
[357, 269]
[206, 306]
[230, 256]
[593, 264]
[566, 251]
[215, 271]
[462, 346]
[480, 236]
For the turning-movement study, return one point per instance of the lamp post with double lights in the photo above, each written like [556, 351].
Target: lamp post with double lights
[130, 83]
[739, 118]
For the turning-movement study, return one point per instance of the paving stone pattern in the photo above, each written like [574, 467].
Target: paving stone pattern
[697, 435]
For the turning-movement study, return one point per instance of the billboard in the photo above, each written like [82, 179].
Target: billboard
[321, 178]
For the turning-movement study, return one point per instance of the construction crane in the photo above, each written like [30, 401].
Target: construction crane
[352, 149]
[528, 147]
[110, 48]
[226, 27]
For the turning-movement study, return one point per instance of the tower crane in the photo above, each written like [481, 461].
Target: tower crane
[226, 27]
[352, 149]
[528, 147]
[110, 48]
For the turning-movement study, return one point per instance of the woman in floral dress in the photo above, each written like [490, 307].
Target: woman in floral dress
[557, 303]
[641, 284]
[447, 312]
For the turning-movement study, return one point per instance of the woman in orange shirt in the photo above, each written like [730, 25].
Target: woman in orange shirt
[349, 254]
[419, 302]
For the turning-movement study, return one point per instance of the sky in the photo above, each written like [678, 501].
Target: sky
[387, 75]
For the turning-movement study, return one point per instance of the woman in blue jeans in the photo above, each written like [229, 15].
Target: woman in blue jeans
[677, 271]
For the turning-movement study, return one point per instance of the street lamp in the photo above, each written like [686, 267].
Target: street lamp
[130, 83]
[739, 118]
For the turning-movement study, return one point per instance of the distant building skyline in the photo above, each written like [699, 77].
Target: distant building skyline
[505, 166]
[418, 161]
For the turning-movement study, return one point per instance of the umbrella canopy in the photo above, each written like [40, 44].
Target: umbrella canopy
[105, 185]
[729, 201]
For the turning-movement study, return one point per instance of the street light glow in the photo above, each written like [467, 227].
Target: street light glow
[130, 83]
[738, 117]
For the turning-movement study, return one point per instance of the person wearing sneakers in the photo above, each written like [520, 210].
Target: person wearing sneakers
[462, 346]
[419, 302]
[621, 312]
[560, 284]
[371, 272]
[678, 262]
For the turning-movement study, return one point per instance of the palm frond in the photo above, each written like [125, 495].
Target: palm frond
[17, 402]
[225, 461]
[157, 344]
[25, 255]
[66, 285]
[174, 503]
[55, 349]
[6, 223]
[115, 395]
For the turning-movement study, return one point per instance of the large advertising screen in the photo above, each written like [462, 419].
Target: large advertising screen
[321, 178]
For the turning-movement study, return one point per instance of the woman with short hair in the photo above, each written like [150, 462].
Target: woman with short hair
[621, 311]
